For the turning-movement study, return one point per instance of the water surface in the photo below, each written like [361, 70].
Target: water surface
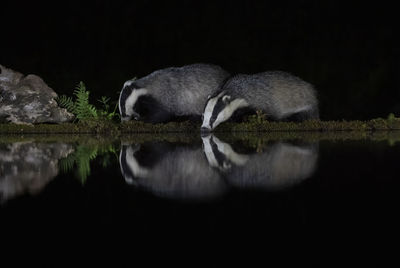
[187, 184]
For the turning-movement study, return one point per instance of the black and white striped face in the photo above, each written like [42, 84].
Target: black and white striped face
[219, 109]
[221, 155]
[128, 98]
[130, 167]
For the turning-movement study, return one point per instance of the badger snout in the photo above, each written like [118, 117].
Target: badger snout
[125, 119]
[205, 131]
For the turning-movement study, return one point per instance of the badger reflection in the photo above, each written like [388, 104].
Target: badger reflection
[280, 165]
[170, 170]
[188, 172]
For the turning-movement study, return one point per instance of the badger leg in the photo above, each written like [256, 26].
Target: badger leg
[312, 113]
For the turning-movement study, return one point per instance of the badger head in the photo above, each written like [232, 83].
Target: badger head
[130, 167]
[220, 155]
[128, 99]
[220, 108]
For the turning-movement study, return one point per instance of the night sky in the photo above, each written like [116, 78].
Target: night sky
[349, 51]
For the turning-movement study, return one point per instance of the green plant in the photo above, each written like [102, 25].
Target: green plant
[81, 107]
[82, 157]
[391, 117]
[105, 112]
[67, 103]
[257, 118]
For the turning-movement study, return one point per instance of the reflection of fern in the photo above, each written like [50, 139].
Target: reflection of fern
[67, 164]
[81, 159]
[84, 155]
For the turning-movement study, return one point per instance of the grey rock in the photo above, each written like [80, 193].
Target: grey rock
[28, 100]
[27, 167]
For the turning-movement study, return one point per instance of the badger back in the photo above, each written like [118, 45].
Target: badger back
[184, 90]
[276, 93]
[185, 174]
[281, 164]
[179, 172]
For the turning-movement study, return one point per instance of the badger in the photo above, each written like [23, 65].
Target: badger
[278, 94]
[280, 166]
[170, 94]
[170, 170]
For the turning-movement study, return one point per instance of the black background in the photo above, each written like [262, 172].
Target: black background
[348, 50]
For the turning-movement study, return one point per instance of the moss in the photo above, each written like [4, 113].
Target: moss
[312, 125]
[94, 126]
[258, 140]
[140, 127]
[103, 139]
[254, 124]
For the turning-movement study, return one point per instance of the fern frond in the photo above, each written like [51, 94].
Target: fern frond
[67, 164]
[104, 100]
[83, 109]
[66, 102]
[84, 154]
[83, 170]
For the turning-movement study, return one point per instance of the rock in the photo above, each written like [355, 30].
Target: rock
[28, 100]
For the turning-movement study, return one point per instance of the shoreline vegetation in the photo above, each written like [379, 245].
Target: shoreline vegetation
[254, 124]
[254, 130]
[251, 139]
[105, 121]
[105, 146]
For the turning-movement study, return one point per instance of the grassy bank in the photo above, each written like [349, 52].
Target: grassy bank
[250, 138]
[253, 125]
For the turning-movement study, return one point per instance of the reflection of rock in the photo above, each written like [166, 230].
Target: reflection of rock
[281, 165]
[28, 100]
[179, 172]
[27, 167]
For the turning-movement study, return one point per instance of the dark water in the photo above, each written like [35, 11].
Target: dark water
[199, 187]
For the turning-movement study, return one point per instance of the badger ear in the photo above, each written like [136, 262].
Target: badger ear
[208, 97]
[226, 98]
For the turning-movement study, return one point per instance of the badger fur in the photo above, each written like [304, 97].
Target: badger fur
[281, 165]
[169, 170]
[170, 93]
[279, 95]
